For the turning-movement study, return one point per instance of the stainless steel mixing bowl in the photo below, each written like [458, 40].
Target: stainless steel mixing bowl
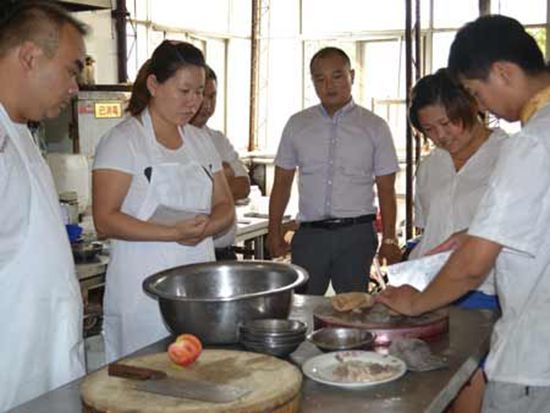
[211, 299]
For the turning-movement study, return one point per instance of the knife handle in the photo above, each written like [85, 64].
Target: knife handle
[135, 373]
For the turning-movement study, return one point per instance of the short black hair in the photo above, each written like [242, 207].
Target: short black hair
[440, 89]
[328, 51]
[39, 21]
[490, 39]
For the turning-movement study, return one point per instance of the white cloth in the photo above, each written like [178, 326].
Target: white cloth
[446, 200]
[338, 159]
[41, 344]
[179, 180]
[231, 156]
[515, 213]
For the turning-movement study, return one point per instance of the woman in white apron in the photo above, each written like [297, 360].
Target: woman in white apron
[158, 192]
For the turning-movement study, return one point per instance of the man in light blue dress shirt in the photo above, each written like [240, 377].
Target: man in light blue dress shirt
[341, 151]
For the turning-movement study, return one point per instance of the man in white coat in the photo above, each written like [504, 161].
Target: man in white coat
[234, 170]
[41, 347]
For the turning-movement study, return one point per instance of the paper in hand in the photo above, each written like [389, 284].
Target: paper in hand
[164, 215]
[419, 272]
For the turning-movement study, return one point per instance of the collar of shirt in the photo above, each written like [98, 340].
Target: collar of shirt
[534, 104]
[348, 107]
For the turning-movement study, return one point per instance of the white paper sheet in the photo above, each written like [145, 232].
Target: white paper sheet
[168, 216]
[418, 273]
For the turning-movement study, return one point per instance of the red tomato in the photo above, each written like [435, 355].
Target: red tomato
[185, 350]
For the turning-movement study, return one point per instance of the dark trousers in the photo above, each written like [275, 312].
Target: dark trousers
[225, 254]
[341, 255]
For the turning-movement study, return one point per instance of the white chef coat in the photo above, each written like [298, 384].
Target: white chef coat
[41, 344]
[515, 212]
[179, 180]
[446, 200]
[231, 156]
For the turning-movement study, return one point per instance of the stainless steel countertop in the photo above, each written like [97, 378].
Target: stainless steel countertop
[464, 346]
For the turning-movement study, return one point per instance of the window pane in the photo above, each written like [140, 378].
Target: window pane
[137, 9]
[526, 11]
[440, 50]
[198, 17]
[280, 91]
[284, 18]
[383, 85]
[321, 16]
[215, 57]
[238, 92]
[451, 14]
[539, 33]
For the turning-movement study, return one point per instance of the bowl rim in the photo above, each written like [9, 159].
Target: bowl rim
[149, 282]
[311, 338]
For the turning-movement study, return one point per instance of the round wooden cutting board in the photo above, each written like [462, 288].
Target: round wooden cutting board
[274, 384]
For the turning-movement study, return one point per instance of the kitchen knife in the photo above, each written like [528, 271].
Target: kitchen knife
[158, 382]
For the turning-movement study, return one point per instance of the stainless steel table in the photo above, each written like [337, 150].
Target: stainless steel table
[466, 343]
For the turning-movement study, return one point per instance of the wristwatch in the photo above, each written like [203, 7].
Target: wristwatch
[390, 241]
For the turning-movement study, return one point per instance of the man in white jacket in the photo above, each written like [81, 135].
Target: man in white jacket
[501, 65]
[41, 52]
[234, 170]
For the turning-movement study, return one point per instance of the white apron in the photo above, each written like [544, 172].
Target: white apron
[132, 319]
[41, 343]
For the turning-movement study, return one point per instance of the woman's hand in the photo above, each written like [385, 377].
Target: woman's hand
[191, 231]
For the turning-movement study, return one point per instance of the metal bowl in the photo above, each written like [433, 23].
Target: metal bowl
[273, 327]
[86, 251]
[281, 350]
[211, 299]
[340, 338]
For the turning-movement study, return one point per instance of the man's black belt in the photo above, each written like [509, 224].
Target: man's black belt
[334, 223]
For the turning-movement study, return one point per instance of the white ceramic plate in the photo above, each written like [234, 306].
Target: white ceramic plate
[354, 369]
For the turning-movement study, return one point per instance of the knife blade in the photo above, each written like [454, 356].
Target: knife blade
[158, 382]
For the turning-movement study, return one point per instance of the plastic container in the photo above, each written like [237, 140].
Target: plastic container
[71, 173]
[74, 231]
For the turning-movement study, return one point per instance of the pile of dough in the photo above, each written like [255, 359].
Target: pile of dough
[351, 301]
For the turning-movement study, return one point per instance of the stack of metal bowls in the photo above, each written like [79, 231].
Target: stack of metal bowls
[277, 337]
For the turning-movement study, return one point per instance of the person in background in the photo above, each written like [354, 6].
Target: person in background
[41, 52]
[234, 170]
[87, 76]
[159, 193]
[341, 151]
[450, 183]
[501, 65]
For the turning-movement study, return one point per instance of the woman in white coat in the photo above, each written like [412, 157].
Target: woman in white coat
[150, 164]
[451, 181]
